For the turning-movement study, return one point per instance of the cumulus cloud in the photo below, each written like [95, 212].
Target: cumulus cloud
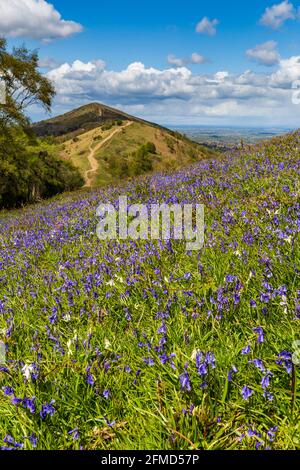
[48, 63]
[288, 72]
[278, 14]
[265, 54]
[35, 19]
[206, 26]
[194, 59]
[178, 95]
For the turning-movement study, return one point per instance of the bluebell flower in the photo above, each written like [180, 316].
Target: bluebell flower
[233, 370]
[89, 378]
[246, 350]
[285, 360]
[149, 361]
[106, 393]
[202, 369]
[33, 439]
[109, 423]
[265, 382]
[47, 409]
[74, 433]
[210, 359]
[8, 390]
[269, 396]
[271, 433]
[246, 393]
[185, 383]
[260, 334]
[29, 403]
[258, 363]
[162, 329]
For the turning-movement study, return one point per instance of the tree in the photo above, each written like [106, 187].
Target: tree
[29, 169]
[24, 84]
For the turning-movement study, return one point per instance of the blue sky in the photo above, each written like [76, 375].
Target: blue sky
[237, 67]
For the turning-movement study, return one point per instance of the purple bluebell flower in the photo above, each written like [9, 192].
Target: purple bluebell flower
[260, 334]
[8, 439]
[271, 433]
[251, 432]
[202, 370]
[210, 359]
[285, 360]
[89, 378]
[203, 385]
[74, 433]
[246, 393]
[106, 393]
[269, 396]
[136, 376]
[33, 439]
[47, 409]
[162, 330]
[149, 361]
[16, 401]
[232, 371]
[258, 363]
[199, 359]
[29, 404]
[265, 382]
[246, 350]
[8, 390]
[109, 423]
[185, 383]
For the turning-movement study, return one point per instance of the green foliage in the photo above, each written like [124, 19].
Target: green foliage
[143, 158]
[107, 125]
[136, 317]
[25, 86]
[29, 169]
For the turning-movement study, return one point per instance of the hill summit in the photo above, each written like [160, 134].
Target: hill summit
[81, 120]
[107, 145]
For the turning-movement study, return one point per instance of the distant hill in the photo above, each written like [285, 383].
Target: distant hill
[81, 120]
[107, 145]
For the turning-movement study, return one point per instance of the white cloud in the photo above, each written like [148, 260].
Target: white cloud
[198, 58]
[206, 26]
[289, 71]
[48, 63]
[35, 19]
[194, 59]
[178, 95]
[265, 54]
[173, 60]
[278, 14]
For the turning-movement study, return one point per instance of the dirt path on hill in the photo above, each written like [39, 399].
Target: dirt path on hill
[89, 174]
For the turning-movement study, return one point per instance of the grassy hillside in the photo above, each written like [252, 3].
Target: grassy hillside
[141, 345]
[119, 155]
[79, 121]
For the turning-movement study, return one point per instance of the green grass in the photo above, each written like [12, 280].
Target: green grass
[75, 307]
